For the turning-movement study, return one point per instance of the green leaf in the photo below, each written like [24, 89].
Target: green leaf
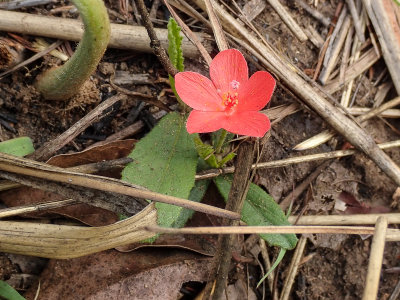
[7, 292]
[226, 159]
[20, 146]
[206, 152]
[281, 255]
[175, 53]
[165, 162]
[175, 44]
[260, 209]
[196, 194]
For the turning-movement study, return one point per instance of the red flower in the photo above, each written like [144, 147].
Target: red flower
[230, 100]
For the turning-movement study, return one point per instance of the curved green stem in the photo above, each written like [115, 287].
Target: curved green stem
[63, 82]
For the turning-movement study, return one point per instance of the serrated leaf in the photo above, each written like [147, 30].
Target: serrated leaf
[20, 146]
[226, 159]
[165, 162]
[175, 44]
[206, 152]
[9, 293]
[260, 209]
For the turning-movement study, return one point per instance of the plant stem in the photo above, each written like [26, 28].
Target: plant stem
[237, 194]
[64, 82]
[221, 141]
[154, 41]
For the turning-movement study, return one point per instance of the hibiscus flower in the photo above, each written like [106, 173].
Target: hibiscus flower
[230, 100]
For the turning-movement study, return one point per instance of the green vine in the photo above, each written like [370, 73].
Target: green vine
[63, 82]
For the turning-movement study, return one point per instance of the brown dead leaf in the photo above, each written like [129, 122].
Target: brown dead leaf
[354, 206]
[200, 244]
[87, 214]
[84, 213]
[150, 274]
[112, 150]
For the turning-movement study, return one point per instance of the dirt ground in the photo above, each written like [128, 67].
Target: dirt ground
[334, 266]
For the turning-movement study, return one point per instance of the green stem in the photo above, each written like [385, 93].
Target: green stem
[221, 141]
[64, 82]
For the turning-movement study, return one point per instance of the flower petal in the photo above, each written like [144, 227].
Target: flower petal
[205, 121]
[228, 70]
[198, 91]
[251, 123]
[256, 92]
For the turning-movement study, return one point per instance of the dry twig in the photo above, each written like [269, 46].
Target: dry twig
[288, 20]
[155, 43]
[27, 167]
[375, 260]
[122, 36]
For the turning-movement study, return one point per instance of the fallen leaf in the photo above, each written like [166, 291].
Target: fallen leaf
[353, 206]
[84, 213]
[149, 274]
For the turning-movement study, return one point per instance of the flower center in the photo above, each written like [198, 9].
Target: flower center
[230, 100]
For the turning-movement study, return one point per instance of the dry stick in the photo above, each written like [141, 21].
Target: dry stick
[23, 166]
[154, 41]
[382, 92]
[122, 36]
[334, 53]
[356, 20]
[396, 292]
[315, 13]
[355, 55]
[86, 168]
[375, 260]
[325, 47]
[292, 160]
[184, 7]
[336, 30]
[49, 148]
[219, 35]
[19, 210]
[237, 195]
[386, 23]
[387, 114]
[361, 219]
[294, 265]
[116, 203]
[288, 20]
[364, 63]
[314, 36]
[16, 4]
[346, 54]
[392, 234]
